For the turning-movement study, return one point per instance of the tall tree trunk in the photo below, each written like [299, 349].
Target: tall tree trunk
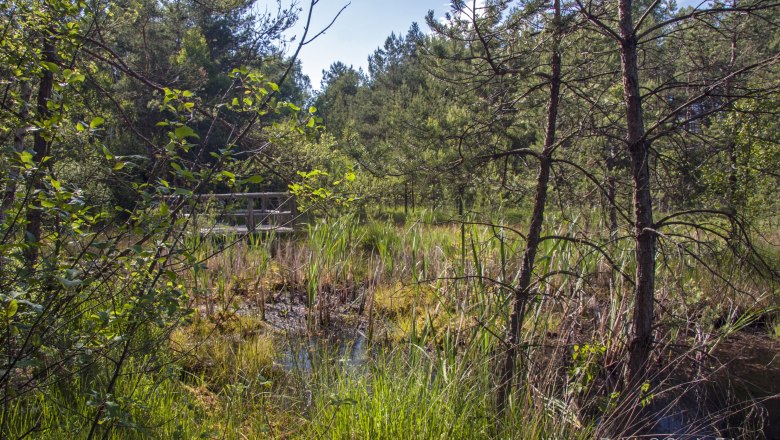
[41, 146]
[639, 152]
[413, 202]
[406, 198]
[521, 293]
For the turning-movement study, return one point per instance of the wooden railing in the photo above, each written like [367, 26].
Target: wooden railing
[257, 212]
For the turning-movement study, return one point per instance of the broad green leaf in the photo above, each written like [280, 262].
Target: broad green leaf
[11, 308]
[51, 67]
[184, 132]
[26, 158]
[252, 179]
[107, 154]
[96, 122]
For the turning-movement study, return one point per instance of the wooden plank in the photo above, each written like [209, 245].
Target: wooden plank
[244, 213]
[242, 230]
[280, 219]
[244, 195]
[235, 196]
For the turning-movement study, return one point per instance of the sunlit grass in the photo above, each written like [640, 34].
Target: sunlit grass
[436, 308]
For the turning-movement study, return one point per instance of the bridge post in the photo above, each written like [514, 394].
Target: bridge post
[293, 211]
[264, 207]
[250, 214]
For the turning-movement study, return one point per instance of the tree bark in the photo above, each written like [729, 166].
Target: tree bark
[406, 198]
[41, 147]
[522, 291]
[639, 152]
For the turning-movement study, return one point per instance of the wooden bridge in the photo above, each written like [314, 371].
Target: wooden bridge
[243, 213]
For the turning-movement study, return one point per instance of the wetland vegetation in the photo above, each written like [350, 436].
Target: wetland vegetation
[538, 220]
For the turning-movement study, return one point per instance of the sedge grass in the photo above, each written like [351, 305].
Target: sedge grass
[445, 302]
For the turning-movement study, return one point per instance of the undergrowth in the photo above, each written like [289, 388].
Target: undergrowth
[428, 304]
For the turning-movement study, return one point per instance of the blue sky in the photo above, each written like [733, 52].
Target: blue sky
[360, 29]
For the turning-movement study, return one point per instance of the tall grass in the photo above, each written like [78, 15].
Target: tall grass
[416, 393]
[432, 298]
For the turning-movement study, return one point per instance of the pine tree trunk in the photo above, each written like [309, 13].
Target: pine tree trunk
[522, 291]
[639, 152]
